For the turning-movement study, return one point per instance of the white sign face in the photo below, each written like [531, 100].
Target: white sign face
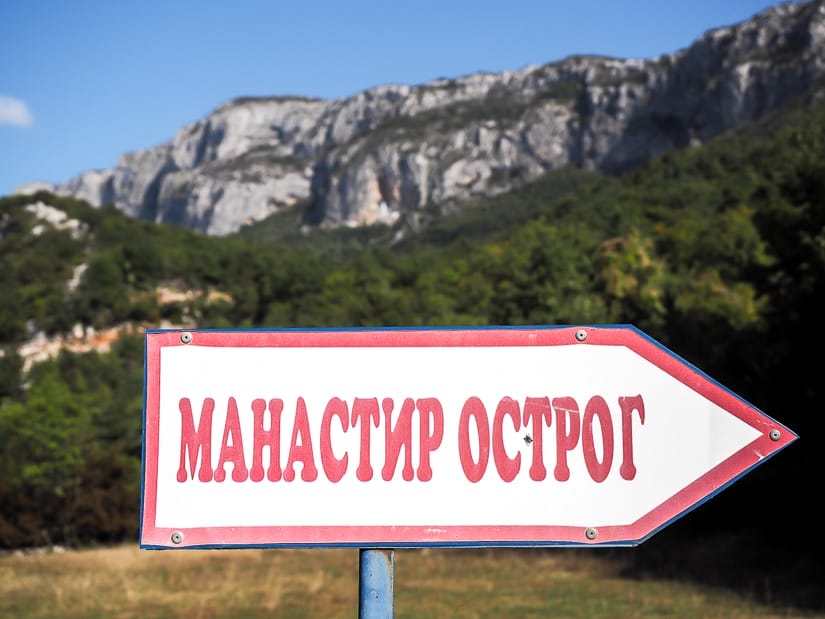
[415, 437]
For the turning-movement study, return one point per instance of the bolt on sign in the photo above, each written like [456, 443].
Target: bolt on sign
[534, 436]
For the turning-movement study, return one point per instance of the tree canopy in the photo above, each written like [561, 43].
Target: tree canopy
[716, 251]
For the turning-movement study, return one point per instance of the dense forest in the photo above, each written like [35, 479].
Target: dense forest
[717, 251]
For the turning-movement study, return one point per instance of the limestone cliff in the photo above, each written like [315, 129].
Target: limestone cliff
[385, 154]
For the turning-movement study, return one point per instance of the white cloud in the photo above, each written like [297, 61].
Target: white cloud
[14, 112]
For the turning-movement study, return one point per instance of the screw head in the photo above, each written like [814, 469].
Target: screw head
[591, 533]
[177, 537]
[185, 338]
[581, 335]
[775, 435]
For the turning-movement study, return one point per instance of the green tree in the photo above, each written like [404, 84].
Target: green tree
[542, 274]
[11, 366]
[633, 280]
[102, 297]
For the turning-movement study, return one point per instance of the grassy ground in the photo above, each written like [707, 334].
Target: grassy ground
[125, 582]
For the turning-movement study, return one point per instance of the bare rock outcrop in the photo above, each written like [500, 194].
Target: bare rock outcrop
[385, 154]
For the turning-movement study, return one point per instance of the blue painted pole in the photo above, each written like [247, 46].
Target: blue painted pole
[375, 583]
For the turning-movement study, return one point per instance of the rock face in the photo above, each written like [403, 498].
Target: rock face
[386, 154]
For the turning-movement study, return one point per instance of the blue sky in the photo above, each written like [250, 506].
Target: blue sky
[84, 81]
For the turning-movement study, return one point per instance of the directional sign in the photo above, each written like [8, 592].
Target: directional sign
[398, 438]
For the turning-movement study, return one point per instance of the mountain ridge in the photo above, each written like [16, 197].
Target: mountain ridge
[404, 155]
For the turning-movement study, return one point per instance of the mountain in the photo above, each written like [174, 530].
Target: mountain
[405, 155]
[715, 251]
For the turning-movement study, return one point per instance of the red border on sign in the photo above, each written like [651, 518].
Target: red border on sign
[627, 336]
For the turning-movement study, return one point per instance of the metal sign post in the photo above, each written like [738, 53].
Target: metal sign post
[376, 580]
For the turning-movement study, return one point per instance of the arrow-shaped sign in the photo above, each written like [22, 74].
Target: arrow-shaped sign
[531, 436]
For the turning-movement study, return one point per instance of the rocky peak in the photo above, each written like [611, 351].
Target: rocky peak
[384, 154]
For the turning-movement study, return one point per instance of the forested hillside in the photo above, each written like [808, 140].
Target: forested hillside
[716, 251]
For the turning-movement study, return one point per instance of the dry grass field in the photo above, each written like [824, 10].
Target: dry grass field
[125, 582]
